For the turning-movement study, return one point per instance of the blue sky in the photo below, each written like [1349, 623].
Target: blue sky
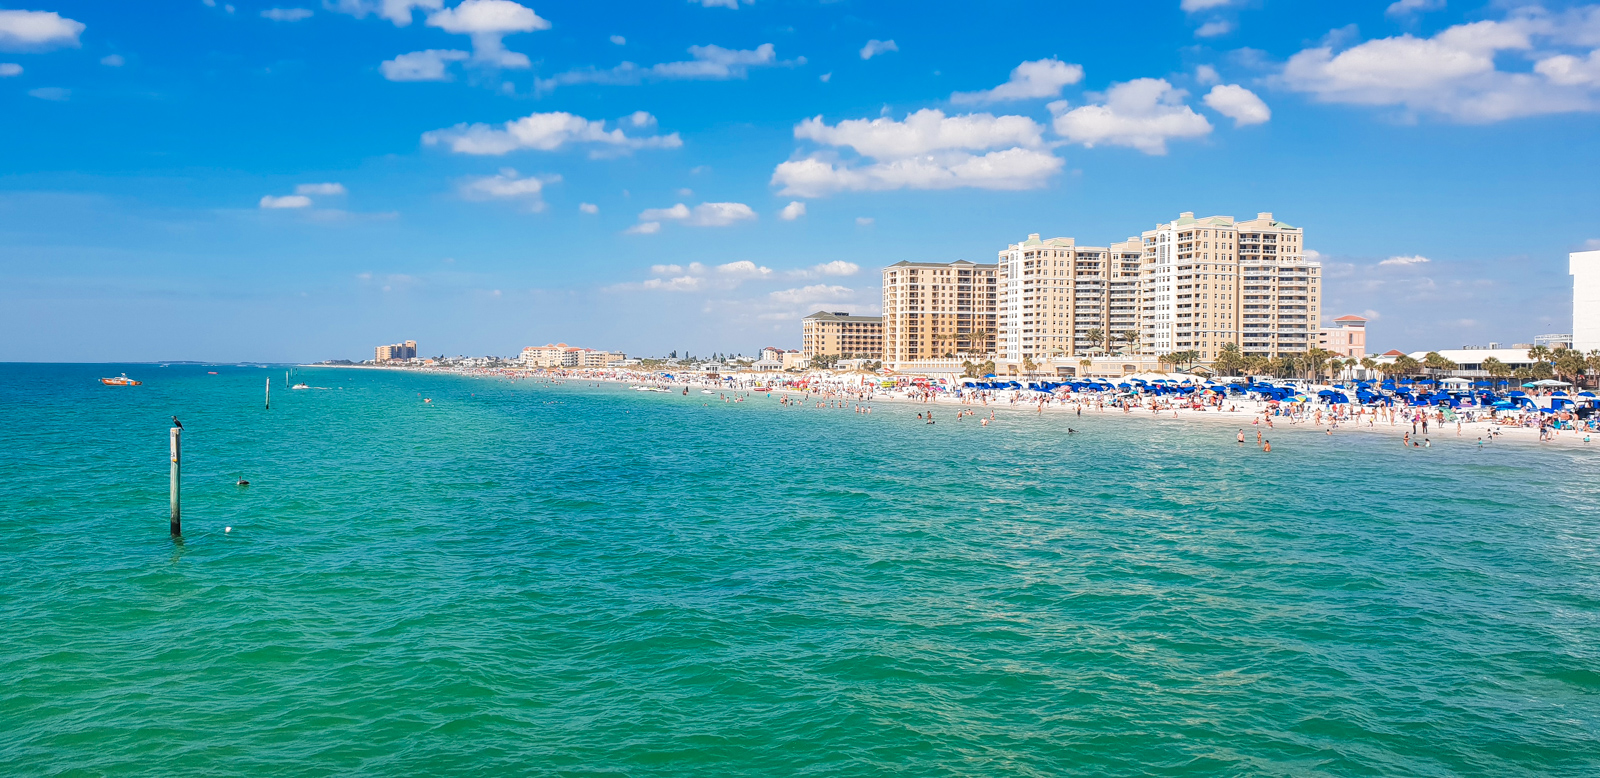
[294, 181]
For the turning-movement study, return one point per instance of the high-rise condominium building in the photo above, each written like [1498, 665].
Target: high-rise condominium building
[932, 309]
[841, 335]
[1059, 299]
[1206, 282]
[1585, 269]
[395, 351]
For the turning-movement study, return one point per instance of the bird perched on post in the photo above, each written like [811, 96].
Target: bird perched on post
[177, 423]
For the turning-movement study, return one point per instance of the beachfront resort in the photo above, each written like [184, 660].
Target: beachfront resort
[1194, 315]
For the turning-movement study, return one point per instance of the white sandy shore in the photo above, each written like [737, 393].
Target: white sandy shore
[1249, 414]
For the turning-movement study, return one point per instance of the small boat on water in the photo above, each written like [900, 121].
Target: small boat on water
[122, 380]
[301, 386]
[707, 391]
[649, 389]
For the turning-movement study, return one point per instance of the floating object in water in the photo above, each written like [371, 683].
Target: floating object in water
[427, 399]
[243, 482]
[122, 380]
[226, 530]
[301, 386]
[211, 372]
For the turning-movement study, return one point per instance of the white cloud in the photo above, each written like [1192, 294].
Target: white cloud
[729, 4]
[875, 47]
[320, 189]
[286, 14]
[1030, 80]
[864, 221]
[680, 284]
[544, 132]
[589, 208]
[927, 150]
[506, 185]
[816, 293]
[1239, 104]
[1454, 73]
[702, 215]
[1404, 261]
[397, 11]
[1142, 114]
[54, 94]
[1203, 5]
[487, 22]
[644, 228]
[113, 61]
[287, 201]
[834, 268]
[8, 69]
[792, 211]
[1213, 28]
[707, 63]
[1206, 75]
[426, 65]
[744, 268]
[619, 40]
[1567, 70]
[37, 30]
[1405, 7]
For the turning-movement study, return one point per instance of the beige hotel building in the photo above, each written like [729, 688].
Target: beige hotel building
[932, 309]
[840, 334]
[1206, 282]
[1055, 293]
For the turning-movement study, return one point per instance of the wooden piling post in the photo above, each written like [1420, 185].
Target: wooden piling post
[269, 394]
[177, 464]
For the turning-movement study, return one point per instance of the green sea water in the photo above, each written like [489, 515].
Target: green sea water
[537, 579]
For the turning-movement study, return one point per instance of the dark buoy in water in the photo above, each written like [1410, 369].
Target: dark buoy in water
[243, 482]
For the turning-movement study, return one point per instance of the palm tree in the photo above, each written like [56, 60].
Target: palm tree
[1369, 364]
[1130, 337]
[1433, 361]
[1229, 361]
[1570, 364]
[1084, 365]
[1028, 365]
[1405, 365]
[1495, 368]
[1539, 354]
[1095, 335]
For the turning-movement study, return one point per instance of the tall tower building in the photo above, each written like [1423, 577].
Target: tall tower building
[932, 309]
[1585, 269]
[1206, 282]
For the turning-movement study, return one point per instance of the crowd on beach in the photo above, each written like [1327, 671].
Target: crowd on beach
[1416, 426]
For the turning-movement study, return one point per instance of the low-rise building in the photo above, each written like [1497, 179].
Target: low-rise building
[839, 334]
[794, 359]
[1347, 338]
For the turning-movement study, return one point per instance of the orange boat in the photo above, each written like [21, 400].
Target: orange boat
[122, 380]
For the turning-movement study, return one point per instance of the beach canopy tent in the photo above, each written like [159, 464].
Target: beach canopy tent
[1548, 382]
[1456, 382]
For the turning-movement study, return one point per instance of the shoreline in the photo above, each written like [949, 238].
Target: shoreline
[1248, 416]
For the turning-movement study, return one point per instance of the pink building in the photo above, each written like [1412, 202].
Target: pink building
[1347, 337]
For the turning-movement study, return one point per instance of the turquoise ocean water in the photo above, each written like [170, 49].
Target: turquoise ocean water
[527, 579]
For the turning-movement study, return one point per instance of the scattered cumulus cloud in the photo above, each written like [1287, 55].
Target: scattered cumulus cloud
[744, 268]
[545, 132]
[397, 11]
[1029, 80]
[326, 189]
[814, 294]
[113, 61]
[926, 150]
[1142, 114]
[619, 40]
[702, 215]
[792, 211]
[37, 31]
[286, 14]
[875, 47]
[825, 77]
[426, 65]
[827, 269]
[588, 208]
[1213, 28]
[487, 22]
[643, 228]
[864, 221]
[507, 185]
[286, 201]
[706, 63]
[1408, 7]
[1455, 74]
[54, 94]
[729, 4]
[1239, 104]
[1405, 261]
[8, 69]
[1192, 6]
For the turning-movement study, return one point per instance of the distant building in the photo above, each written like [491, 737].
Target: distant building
[772, 352]
[1347, 338]
[1585, 269]
[1553, 340]
[395, 352]
[795, 360]
[563, 355]
[840, 334]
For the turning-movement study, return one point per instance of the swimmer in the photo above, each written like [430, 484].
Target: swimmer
[1266, 447]
[1241, 436]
